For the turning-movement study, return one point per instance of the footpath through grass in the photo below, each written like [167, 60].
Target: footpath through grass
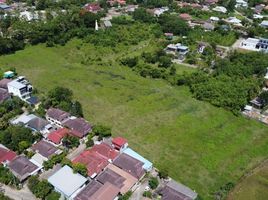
[202, 146]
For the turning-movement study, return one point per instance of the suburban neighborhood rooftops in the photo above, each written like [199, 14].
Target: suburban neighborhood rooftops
[57, 114]
[66, 181]
[130, 180]
[147, 164]
[81, 126]
[6, 155]
[88, 191]
[21, 167]
[105, 151]
[44, 148]
[130, 165]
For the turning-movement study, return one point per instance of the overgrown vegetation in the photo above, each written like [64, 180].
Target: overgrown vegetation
[7, 178]
[41, 189]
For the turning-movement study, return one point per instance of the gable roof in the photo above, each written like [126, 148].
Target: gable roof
[57, 135]
[57, 114]
[66, 181]
[112, 177]
[130, 165]
[44, 148]
[88, 191]
[21, 167]
[107, 191]
[176, 191]
[80, 125]
[119, 141]
[6, 155]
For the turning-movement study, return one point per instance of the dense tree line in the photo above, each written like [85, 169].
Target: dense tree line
[7, 178]
[234, 81]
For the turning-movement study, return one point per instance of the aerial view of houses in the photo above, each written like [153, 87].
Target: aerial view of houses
[134, 100]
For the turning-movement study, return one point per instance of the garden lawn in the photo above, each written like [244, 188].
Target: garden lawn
[202, 146]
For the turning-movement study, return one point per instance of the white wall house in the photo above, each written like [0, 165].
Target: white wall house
[20, 87]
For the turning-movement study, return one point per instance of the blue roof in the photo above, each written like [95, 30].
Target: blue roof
[4, 6]
[147, 164]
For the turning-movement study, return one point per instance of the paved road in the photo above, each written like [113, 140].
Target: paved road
[137, 194]
[76, 152]
[23, 194]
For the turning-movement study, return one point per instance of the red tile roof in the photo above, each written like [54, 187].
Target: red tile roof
[119, 141]
[185, 16]
[96, 158]
[56, 136]
[6, 155]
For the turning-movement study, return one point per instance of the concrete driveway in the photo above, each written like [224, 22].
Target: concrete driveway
[23, 194]
[137, 194]
[76, 151]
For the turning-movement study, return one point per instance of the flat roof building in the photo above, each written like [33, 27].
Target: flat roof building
[67, 182]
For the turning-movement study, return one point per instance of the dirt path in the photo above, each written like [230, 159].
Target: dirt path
[23, 194]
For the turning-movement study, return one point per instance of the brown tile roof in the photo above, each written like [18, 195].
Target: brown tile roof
[78, 124]
[130, 165]
[21, 167]
[112, 177]
[107, 192]
[130, 180]
[3, 94]
[44, 148]
[57, 114]
[88, 191]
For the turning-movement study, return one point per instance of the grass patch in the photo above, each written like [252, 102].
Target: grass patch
[202, 146]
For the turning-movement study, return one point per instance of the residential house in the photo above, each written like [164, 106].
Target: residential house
[5, 7]
[118, 177]
[20, 87]
[220, 9]
[22, 168]
[66, 182]
[210, 2]
[6, 155]
[185, 16]
[249, 44]
[234, 21]
[178, 50]
[116, 2]
[4, 95]
[159, 11]
[40, 125]
[130, 165]
[147, 165]
[56, 136]
[262, 45]
[44, 151]
[214, 19]
[23, 119]
[241, 4]
[256, 16]
[93, 7]
[96, 158]
[259, 8]
[264, 24]
[57, 116]
[79, 126]
[119, 143]
[175, 191]
[97, 191]
[208, 26]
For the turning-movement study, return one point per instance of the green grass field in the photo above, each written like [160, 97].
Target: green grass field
[254, 186]
[202, 146]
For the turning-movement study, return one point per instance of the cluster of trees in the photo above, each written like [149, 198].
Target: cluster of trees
[55, 159]
[62, 98]
[126, 196]
[234, 81]
[7, 178]
[101, 131]
[8, 110]
[17, 138]
[155, 64]
[42, 189]
[153, 183]
[70, 141]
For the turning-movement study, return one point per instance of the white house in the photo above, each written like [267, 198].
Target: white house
[160, 11]
[241, 4]
[20, 87]
[220, 9]
[234, 21]
[249, 44]
[264, 23]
